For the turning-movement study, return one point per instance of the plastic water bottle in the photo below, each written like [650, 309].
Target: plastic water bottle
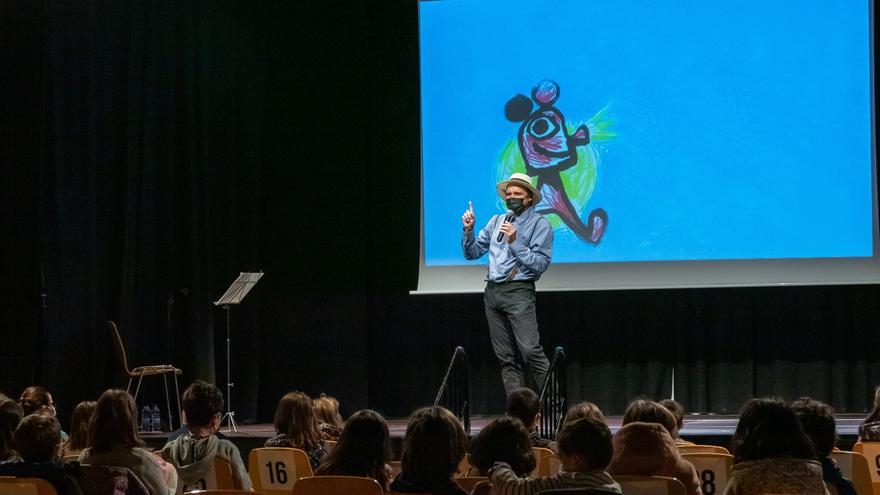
[146, 419]
[155, 419]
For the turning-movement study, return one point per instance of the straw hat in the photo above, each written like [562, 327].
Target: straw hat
[522, 180]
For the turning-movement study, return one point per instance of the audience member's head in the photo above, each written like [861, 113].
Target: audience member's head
[363, 448]
[648, 411]
[585, 444]
[677, 412]
[37, 438]
[817, 420]
[433, 446]
[504, 439]
[583, 410]
[327, 410]
[875, 414]
[769, 428]
[203, 405]
[524, 404]
[114, 422]
[295, 418]
[36, 400]
[79, 425]
[10, 417]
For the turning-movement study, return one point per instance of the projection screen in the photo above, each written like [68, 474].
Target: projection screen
[688, 143]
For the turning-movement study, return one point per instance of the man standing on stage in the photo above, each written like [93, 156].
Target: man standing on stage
[519, 246]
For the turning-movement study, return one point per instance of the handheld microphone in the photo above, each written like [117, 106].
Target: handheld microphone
[509, 218]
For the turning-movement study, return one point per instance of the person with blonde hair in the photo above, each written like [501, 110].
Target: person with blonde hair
[869, 430]
[329, 419]
[297, 427]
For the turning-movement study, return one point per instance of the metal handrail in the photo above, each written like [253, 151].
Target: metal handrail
[554, 395]
[456, 388]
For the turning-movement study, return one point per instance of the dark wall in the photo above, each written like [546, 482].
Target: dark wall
[155, 149]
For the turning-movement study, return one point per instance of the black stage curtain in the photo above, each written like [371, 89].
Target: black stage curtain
[155, 149]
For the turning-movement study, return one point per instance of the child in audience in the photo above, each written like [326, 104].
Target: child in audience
[505, 440]
[817, 420]
[644, 446]
[193, 453]
[869, 430]
[771, 453]
[433, 446]
[329, 420]
[10, 416]
[585, 451]
[678, 413]
[37, 438]
[297, 427]
[114, 441]
[524, 404]
[363, 450]
[79, 428]
[37, 399]
[583, 410]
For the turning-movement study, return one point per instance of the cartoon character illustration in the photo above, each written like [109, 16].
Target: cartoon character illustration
[548, 147]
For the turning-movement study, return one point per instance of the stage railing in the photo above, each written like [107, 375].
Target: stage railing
[554, 395]
[455, 389]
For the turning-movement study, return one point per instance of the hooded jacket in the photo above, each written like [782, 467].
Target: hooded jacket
[647, 449]
[194, 458]
[776, 475]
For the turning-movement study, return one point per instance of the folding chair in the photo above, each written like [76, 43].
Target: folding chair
[691, 449]
[10, 485]
[222, 492]
[467, 483]
[141, 371]
[274, 470]
[714, 469]
[650, 485]
[336, 485]
[871, 452]
[218, 477]
[547, 463]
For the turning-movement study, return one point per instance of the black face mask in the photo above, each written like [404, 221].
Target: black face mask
[516, 204]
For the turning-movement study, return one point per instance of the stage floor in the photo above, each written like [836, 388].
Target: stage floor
[702, 429]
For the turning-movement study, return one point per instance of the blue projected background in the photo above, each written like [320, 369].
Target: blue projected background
[718, 131]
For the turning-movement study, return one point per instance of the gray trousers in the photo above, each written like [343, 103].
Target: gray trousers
[513, 329]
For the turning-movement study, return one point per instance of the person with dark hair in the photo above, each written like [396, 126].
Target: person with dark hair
[36, 399]
[644, 446]
[585, 451]
[504, 439]
[869, 430]
[363, 449]
[114, 441]
[38, 436]
[297, 427]
[433, 445]
[329, 420]
[524, 404]
[79, 428]
[677, 412]
[10, 416]
[771, 452]
[817, 420]
[193, 453]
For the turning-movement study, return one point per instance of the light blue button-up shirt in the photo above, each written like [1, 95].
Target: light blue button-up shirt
[529, 253]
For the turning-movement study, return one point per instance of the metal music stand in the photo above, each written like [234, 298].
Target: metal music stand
[234, 295]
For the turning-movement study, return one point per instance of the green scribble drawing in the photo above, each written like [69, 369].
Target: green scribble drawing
[579, 181]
